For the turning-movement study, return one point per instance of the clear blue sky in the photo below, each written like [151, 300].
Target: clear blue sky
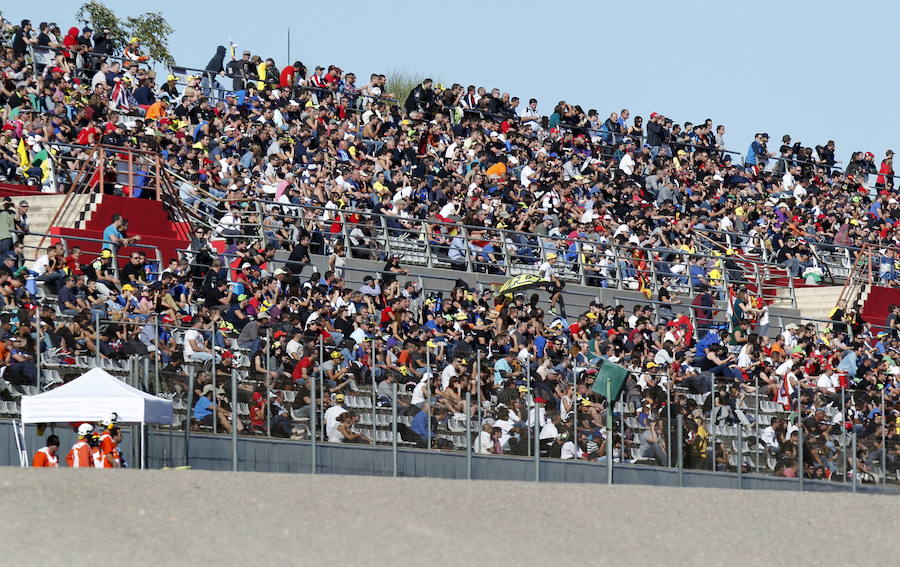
[813, 69]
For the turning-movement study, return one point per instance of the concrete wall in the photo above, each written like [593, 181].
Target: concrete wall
[210, 452]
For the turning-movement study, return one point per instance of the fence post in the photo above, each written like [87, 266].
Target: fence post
[668, 421]
[478, 383]
[883, 445]
[37, 354]
[313, 415]
[756, 423]
[712, 423]
[373, 415]
[679, 436]
[190, 411]
[844, 431]
[212, 348]
[322, 382]
[740, 452]
[267, 386]
[234, 421]
[428, 392]
[853, 450]
[469, 436]
[97, 334]
[609, 433]
[799, 437]
[394, 426]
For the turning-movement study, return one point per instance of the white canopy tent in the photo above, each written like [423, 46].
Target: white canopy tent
[93, 396]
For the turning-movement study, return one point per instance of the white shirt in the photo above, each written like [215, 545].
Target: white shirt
[448, 373]
[191, 335]
[829, 383]
[418, 395]
[331, 415]
[523, 177]
[787, 181]
[626, 164]
[568, 451]
[483, 443]
[41, 264]
[547, 271]
[292, 347]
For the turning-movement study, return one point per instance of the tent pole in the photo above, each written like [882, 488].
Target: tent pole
[143, 448]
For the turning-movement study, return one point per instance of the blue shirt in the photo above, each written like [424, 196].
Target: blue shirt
[501, 365]
[109, 233]
[202, 408]
[420, 425]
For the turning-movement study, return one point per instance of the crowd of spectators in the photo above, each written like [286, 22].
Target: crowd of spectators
[256, 145]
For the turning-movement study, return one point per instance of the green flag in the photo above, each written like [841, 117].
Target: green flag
[612, 373]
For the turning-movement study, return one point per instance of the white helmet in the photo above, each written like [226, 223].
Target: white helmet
[110, 421]
[85, 429]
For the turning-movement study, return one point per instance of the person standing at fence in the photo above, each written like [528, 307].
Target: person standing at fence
[46, 457]
[80, 454]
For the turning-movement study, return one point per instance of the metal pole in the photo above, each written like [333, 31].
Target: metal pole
[37, 354]
[97, 337]
[322, 381]
[394, 426]
[712, 423]
[883, 445]
[478, 378]
[469, 436]
[187, 423]
[668, 421]
[853, 449]
[269, 377]
[428, 393]
[537, 444]
[844, 431]
[679, 437]
[756, 424]
[799, 437]
[374, 413]
[143, 448]
[740, 452]
[234, 421]
[156, 356]
[609, 432]
[528, 395]
[313, 414]
[215, 425]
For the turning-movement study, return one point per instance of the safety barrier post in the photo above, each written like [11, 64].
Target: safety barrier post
[394, 427]
[468, 435]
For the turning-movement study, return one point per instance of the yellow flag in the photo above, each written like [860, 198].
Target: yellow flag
[23, 155]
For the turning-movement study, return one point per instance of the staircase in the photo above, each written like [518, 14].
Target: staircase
[817, 302]
[87, 207]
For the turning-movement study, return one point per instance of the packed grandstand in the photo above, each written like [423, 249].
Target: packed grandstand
[290, 179]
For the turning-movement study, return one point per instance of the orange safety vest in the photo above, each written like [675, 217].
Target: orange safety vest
[43, 458]
[108, 447]
[80, 455]
[97, 457]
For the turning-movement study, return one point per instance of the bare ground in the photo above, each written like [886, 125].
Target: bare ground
[74, 518]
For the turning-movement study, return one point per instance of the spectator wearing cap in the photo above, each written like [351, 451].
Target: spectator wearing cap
[210, 406]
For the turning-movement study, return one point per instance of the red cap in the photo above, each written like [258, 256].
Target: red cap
[279, 334]
[256, 396]
[56, 70]
[227, 354]
[653, 115]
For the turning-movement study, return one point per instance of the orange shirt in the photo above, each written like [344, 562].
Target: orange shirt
[155, 111]
[496, 170]
[43, 458]
[108, 447]
[80, 455]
